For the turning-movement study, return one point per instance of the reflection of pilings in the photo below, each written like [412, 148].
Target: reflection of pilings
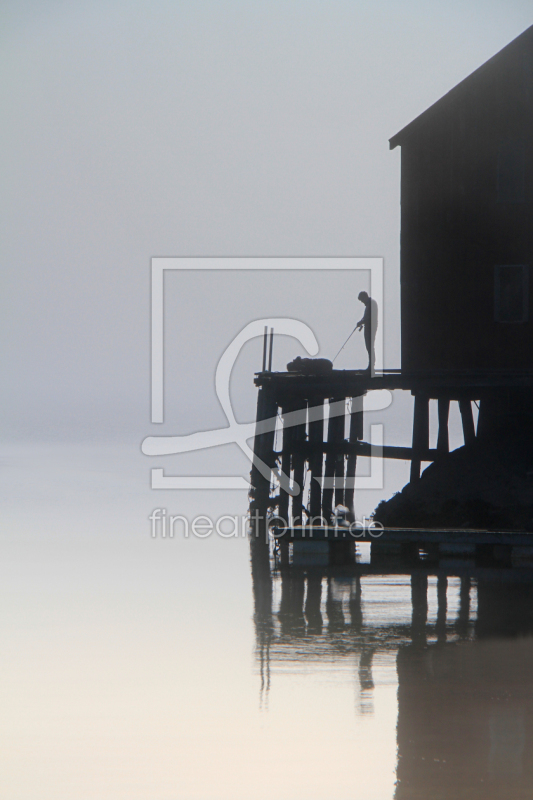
[463, 616]
[442, 588]
[469, 431]
[262, 592]
[419, 600]
[313, 599]
[334, 611]
[355, 605]
[420, 433]
[356, 434]
[291, 615]
[366, 681]
[340, 462]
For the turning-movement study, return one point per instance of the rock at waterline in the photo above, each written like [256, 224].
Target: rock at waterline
[484, 485]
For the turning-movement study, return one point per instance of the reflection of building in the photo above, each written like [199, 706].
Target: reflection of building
[465, 674]
[466, 322]
[465, 709]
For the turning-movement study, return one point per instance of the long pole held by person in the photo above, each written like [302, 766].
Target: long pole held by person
[346, 342]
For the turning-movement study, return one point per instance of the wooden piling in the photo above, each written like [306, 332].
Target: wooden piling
[267, 408]
[443, 440]
[340, 460]
[355, 435]
[316, 459]
[469, 431]
[335, 438]
[420, 433]
[287, 431]
[298, 463]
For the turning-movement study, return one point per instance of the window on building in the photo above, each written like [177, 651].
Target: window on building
[511, 293]
[511, 182]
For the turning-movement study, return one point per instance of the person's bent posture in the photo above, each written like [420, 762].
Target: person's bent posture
[369, 321]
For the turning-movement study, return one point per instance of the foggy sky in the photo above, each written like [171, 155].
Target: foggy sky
[132, 130]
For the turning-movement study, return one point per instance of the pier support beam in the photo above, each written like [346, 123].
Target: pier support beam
[356, 434]
[420, 433]
[267, 408]
[469, 431]
[443, 441]
[298, 462]
[285, 465]
[316, 460]
[335, 438]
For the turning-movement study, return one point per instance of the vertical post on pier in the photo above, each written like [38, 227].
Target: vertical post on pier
[298, 461]
[340, 460]
[335, 435]
[265, 347]
[285, 463]
[443, 439]
[356, 434]
[316, 459]
[267, 409]
[469, 431]
[420, 433]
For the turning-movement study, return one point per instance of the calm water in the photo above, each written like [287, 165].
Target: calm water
[167, 668]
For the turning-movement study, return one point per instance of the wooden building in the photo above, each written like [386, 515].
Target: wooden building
[466, 233]
[466, 315]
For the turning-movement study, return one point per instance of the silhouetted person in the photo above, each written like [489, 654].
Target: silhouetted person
[369, 321]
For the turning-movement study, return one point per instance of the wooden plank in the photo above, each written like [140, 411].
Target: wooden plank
[362, 449]
[353, 383]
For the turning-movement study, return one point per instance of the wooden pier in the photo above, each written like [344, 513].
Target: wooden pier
[309, 432]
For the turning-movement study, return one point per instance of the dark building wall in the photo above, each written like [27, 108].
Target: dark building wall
[467, 207]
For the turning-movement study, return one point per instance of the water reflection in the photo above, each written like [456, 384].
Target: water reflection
[460, 638]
